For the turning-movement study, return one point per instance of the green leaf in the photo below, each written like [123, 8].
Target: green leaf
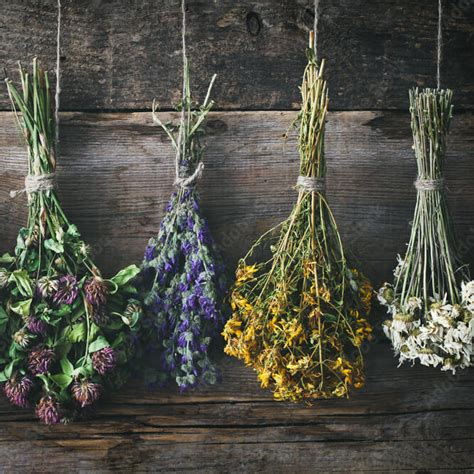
[78, 332]
[8, 370]
[62, 380]
[62, 348]
[7, 258]
[22, 281]
[118, 340]
[20, 243]
[66, 366]
[22, 307]
[125, 275]
[72, 231]
[3, 315]
[54, 246]
[98, 344]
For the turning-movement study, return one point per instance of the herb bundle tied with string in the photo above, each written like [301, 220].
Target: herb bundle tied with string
[300, 317]
[70, 333]
[182, 271]
[431, 302]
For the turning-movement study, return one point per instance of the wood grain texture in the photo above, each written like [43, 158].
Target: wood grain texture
[120, 54]
[116, 174]
[405, 420]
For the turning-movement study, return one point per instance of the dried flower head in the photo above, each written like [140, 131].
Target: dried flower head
[4, 276]
[67, 290]
[22, 338]
[36, 325]
[17, 390]
[86, 392]
[40, 360]
[100, 316]
[46, 286]
[104, 360]
[96, 291]
[48, 410]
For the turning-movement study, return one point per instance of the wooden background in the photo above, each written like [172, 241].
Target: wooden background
[115, 177]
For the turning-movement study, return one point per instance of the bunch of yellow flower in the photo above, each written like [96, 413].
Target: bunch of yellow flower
[300, 318]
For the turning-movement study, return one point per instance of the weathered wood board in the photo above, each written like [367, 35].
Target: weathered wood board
[405, 420]
[120, 54]
[116, 174]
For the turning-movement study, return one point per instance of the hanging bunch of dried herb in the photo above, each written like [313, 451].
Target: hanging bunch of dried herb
[182, 271]
[71, 332]
[431, 301]
[299, 318]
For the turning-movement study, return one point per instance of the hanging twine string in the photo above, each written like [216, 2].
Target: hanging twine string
[47, 182]
[187, 181]
[440, 43]
[429, 184]
[310, 184]
[58, 80]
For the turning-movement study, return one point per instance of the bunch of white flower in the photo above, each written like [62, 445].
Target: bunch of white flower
[437, 333]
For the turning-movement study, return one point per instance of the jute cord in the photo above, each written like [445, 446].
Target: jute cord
[440, 43]
[310, 184]
[429, 184]
[36, 184]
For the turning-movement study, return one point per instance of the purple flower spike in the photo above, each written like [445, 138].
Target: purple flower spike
[17, 391]
[67, 290]
[150, 253]
[182, 340]
[48, 410]
[184, 325]
[186, 247]
[104, 360]
[202, 236]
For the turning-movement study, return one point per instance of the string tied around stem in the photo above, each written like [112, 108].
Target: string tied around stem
[429, 184]
[311, 184]
[36, 183]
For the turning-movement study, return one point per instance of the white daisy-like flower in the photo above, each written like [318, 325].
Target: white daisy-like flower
[430, 359]
[398, 269]
[441, 317]
[414, 303]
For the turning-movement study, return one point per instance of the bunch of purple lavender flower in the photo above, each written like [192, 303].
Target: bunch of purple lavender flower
[182, 271]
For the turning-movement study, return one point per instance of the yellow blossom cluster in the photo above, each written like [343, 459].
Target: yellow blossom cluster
[303, 345]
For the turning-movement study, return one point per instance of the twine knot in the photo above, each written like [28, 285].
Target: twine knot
[36, 183]
[311, 184]
[429, 184]
[190, 181]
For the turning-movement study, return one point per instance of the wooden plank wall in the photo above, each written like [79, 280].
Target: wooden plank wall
[115, 177]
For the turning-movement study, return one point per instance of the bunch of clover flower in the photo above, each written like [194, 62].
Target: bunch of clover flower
[71, 333]
[431, 301]
[182, 270]
[299, 318]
